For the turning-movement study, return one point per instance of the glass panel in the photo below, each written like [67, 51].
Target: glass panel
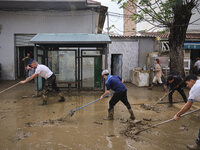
[91, 53]
[97, 72]
[88, 72]
[39, 77]
[62, 63]
[40, 52]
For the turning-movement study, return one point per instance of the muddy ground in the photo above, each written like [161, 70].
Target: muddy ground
[25, 125]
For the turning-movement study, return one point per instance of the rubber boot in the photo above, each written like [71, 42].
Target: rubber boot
[150, 87]
[194, 147]
[44, 102]
[62, 99]
[170, 104]
[110, 115]
[132, 117]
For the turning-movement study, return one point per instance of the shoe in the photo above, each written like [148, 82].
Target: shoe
[110, 115]
[132, 117]
[62, 99]
[44, 102]
[193, 147]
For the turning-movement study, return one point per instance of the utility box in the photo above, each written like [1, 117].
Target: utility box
[139, 78]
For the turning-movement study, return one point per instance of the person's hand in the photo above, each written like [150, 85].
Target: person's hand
[101, 97]
[176, 117]
[166, 94]
[28, 68]
[22, 82]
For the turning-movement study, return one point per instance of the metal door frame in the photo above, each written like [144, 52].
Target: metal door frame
[81, 65]
[112, 63]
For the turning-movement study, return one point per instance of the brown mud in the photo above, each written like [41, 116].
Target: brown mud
[25, 125]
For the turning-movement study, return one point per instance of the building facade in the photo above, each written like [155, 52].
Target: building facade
[20, 21]
[128, 52]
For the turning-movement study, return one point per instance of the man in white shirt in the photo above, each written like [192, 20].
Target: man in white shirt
[50, 80]
[194, 95]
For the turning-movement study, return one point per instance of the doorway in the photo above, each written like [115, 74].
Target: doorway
[195, 53]
[116, 64]
[91, 67]
[22, 53]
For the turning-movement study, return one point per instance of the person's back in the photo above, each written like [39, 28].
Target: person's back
[114, 83]
[177, 81]
[43, 71]
[197, 64]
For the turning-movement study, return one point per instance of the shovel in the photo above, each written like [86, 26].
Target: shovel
[162, 98]
[166, 121]
[71, 113]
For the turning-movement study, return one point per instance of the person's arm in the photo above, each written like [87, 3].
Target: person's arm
[29, 78]
[121, 79]
[181, 81]
[166, 89]
[195, 64]
[184, 109]
[106, 93]
[157, 68]
[23, 59]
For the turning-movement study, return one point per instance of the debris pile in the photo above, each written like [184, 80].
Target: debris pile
[20, 135]
[49, 122]
[149, 107]
[133, 127]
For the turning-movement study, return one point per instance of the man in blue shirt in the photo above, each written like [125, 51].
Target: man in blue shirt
[115, 83]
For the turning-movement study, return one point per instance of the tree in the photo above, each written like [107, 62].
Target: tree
[171, 14]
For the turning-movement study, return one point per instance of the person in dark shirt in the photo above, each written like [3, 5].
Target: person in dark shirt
[115, 83]
[27, 61]
[173, 83]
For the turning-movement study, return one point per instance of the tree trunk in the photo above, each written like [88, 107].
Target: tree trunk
[182, 15]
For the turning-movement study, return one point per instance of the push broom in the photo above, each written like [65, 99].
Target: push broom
[71, 113]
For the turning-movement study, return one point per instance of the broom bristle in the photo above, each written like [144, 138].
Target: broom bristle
[71, 113]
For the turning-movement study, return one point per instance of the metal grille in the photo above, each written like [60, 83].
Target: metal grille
[24, 39]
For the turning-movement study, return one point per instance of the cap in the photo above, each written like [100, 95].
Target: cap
[104, 72]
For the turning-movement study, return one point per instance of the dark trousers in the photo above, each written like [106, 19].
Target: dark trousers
[180, 90]
[121, 96]
[198, 140]
[50, 85]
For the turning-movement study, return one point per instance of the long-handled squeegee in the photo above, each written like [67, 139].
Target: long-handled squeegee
[10, 87]
[166, 121]
[71, 113]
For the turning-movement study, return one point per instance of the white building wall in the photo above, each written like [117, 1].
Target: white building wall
[33, 22]
[129, 49]
[194, 21]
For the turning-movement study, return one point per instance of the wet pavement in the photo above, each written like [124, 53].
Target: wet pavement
[25, 125]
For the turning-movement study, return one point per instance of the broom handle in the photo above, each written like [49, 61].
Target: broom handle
[10, 87]
[91, 102]
[185, 114]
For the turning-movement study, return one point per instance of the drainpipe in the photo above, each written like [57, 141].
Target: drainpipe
[108, 29]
